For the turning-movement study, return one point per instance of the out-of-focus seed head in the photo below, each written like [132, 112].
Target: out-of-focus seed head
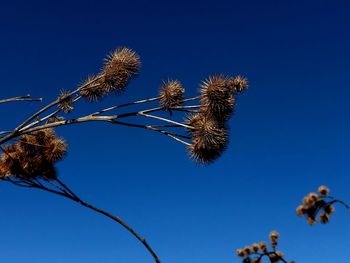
[171, 94]
[273, 258]
[311, 199]
[255, 247]
[247, 250]
[240, 253]
[329, 209]
[120, 66]
[300, 210]
[311, 220]
[209, 139]
[323, 190]
[274, 235]
[324, 218]
[216, 98]
[263, 247]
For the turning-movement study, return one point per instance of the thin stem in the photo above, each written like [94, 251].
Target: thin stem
[152, 128]
[165, 120]
[68, 193]
[21, 98]
[125, 105]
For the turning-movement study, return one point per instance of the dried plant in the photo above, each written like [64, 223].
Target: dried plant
[258, 251]
[318, 207]
[31, 150]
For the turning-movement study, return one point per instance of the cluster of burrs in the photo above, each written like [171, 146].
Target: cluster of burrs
[33, 155]
[202, 125]
[257, 252]
[31, 150]
[318, 207]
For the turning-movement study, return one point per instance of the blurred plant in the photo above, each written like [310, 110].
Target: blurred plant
[258, 251]
[318, 207]
[31, 150]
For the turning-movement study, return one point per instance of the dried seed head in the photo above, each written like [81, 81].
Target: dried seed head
[255, 247]
[120, 66]
[217, 99]
[33, 155]
[263, 247]
[66, 102]
[300, 210]
[311, 199]
[247, 250]
[274, 238]
[240, 253]
[92, 89]
[171, 94]
[55, 150]
[311, 220]
[329, 209]
[209, 139]
[323, 190]
[324, 218]
[238, 84]
[280, 254]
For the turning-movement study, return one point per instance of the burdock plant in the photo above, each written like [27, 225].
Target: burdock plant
[31, 150]
[318, 207]
[257, 252]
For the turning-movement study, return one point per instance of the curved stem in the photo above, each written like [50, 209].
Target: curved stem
[65, 191]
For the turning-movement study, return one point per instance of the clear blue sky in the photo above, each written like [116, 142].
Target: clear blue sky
[290, 133]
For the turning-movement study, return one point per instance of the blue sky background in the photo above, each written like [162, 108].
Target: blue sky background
[290, 133]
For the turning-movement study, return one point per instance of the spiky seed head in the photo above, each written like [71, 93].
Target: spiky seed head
[216, 97]
[209, 139]
[171, 94]
[55, 151]
[238, 84]
[33, 155]
[92, 89]
[120, 66]
[323, 190]
[66, 101]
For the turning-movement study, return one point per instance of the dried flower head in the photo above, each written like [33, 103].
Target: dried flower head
[120, 66]
[257, 251]
[33, 155]
[171, 94]
[66, 102]
[209, 138]
[92, 89]
[318, 208]
[238, 84]
[323, 190]
[216, 98]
